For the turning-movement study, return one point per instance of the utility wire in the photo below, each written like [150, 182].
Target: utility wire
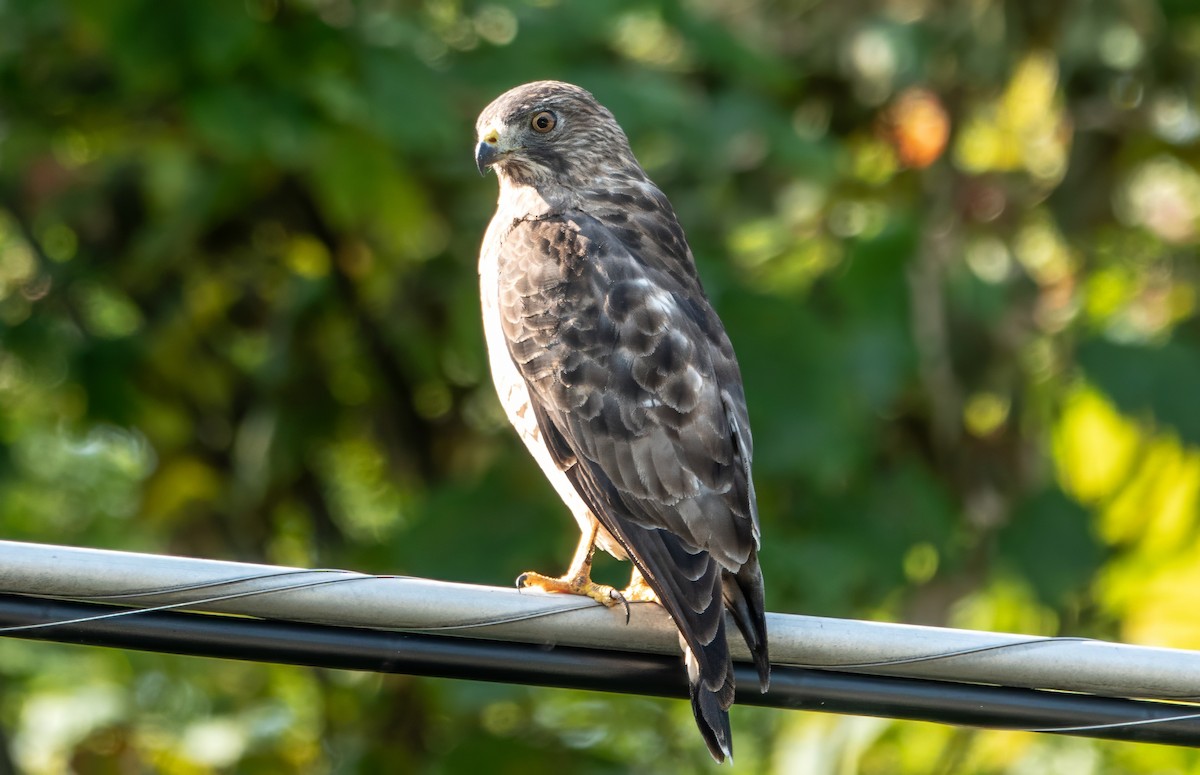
[352, 648]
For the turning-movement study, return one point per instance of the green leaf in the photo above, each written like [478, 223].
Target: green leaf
[1049, 542]
[1162, 381]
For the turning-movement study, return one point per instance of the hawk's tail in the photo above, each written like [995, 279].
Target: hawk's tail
[710, 706]
[744, 598]
[712, 695]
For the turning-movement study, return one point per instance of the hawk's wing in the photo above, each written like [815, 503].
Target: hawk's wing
[638, 396]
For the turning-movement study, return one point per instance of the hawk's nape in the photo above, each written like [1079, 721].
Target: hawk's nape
[618, 375]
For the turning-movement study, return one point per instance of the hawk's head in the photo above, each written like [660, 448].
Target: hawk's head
[550, 132]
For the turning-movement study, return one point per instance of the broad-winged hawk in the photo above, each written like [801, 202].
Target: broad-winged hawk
[615, 370]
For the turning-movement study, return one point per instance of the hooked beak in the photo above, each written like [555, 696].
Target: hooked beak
[487, 152]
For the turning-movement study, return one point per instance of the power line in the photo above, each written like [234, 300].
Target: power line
[353, 648]
[334, 618]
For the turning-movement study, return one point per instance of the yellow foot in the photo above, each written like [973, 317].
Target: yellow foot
[638, 590]
[575, 585]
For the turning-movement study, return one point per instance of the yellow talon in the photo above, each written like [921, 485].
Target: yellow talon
[638, 590]
[578, 580]
[575, 585]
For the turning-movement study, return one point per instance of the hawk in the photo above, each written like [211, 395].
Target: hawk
[617, 374]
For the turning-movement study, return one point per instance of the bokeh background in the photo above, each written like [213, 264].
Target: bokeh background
[955, 245]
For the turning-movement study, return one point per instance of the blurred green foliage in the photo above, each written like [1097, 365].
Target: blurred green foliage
[239, 319]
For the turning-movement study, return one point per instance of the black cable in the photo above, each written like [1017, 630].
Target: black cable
[385, 651]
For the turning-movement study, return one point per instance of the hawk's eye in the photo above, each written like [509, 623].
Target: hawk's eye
[543, 122]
